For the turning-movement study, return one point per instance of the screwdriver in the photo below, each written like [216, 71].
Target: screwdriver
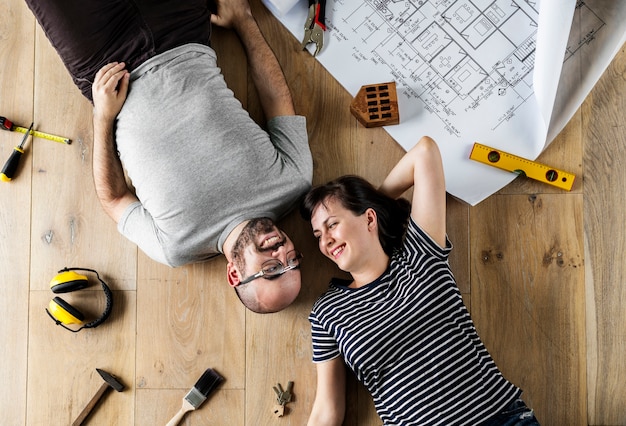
[11, 165]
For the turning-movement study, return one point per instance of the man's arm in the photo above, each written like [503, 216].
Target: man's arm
[266, 72]
[330, 397]
[109, 93]
[422, 168]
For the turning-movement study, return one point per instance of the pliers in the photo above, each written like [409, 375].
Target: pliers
[314, 26]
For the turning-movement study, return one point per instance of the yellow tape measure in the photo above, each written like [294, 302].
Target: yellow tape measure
[43, 135]
[522, 166]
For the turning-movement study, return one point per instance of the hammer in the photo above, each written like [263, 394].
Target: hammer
[110, 381]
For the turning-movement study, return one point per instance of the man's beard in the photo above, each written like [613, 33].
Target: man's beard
[248, 235]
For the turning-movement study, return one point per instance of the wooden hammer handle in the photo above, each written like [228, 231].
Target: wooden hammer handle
[90, 406]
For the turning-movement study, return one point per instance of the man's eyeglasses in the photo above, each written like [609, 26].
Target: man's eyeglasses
[273, 268]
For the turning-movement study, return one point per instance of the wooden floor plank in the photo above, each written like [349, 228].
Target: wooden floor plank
[282, 342]
[528, 298]
[16, 103]
[189, 320]
[603, 120]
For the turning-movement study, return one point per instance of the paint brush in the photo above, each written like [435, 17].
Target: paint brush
[206, 384]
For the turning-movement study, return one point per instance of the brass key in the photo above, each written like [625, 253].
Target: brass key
[283, 396]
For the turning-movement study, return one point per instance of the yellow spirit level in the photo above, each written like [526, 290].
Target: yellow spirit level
[522, 166]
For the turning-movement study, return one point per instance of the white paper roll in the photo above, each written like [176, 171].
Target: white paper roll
[279, 7]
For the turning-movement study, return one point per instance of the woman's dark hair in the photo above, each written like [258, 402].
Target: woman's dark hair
[357, 195]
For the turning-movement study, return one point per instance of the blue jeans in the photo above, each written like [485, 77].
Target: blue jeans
[516, 414]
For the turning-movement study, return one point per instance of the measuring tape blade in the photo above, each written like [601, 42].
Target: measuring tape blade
[43, 135]
[522, 166]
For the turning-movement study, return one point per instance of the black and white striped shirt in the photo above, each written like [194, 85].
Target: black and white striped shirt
[410, 340]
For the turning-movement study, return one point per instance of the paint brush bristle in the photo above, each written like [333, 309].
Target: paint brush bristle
[208, 382]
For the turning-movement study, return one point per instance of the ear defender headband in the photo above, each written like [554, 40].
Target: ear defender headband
[61, 312]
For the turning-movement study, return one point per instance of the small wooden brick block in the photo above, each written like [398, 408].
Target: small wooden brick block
[376, 105]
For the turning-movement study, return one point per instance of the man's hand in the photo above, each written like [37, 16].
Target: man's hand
[230, 13]
[265, 70]
[109, 91]
[109, 94]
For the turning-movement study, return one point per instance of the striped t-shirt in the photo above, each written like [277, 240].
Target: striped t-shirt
[410, 340]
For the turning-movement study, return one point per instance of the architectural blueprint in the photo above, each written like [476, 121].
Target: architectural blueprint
[505, 73]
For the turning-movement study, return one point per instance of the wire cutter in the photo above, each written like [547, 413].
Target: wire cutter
[314, 26]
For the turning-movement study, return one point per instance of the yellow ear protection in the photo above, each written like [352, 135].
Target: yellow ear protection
[61, 312]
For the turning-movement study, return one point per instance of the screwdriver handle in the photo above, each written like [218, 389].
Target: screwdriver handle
[6, 124]
[8, 171]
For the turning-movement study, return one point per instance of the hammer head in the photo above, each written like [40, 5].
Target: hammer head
[111, 380]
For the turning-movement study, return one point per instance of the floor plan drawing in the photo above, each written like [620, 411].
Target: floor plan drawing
[442, 52]
[464, 70]
[585, 27]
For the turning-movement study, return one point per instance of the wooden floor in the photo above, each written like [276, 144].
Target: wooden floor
[542, 271]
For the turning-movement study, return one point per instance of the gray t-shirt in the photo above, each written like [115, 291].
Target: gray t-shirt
[199, 164]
